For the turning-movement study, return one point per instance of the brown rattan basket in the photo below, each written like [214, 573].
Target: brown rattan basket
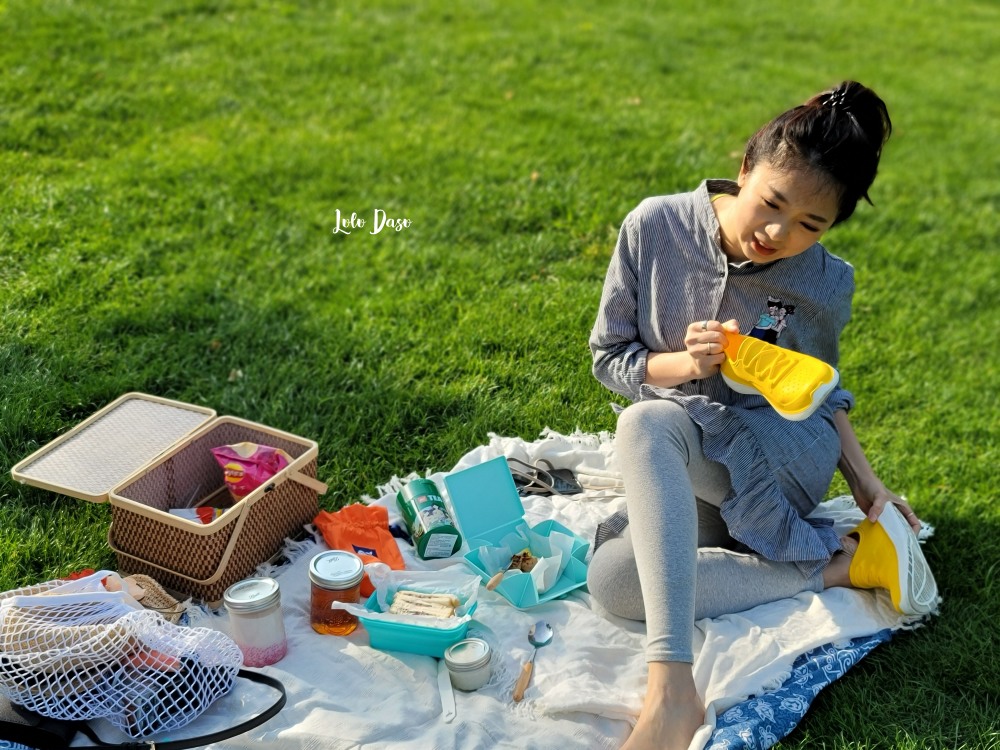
[147, 455]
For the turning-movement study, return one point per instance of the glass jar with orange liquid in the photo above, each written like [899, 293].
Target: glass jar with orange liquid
[335, 576]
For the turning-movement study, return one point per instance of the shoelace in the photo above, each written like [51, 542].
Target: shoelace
[764, 363]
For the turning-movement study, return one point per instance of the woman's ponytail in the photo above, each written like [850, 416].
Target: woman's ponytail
[840, 132]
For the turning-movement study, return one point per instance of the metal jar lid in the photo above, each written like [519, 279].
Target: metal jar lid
[467, 655]
[252, 595]
[336, 570]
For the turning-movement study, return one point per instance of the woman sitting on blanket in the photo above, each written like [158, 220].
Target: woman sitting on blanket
[709, 471]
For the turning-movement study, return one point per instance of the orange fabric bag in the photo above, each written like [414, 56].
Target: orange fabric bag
[363, 530]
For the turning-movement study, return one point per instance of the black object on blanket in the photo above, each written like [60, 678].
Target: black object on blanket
[542, 480]
[25, 727]
[399, 532]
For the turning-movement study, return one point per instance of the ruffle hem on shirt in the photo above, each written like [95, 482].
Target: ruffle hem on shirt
[756, 511]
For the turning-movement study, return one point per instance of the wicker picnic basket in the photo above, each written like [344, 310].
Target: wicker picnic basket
[147, 455]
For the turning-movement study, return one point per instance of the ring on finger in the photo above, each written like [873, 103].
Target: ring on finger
[704, 325]
[708, 351]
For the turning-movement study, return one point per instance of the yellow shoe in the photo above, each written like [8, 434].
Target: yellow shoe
[889, 557]
[795, 384]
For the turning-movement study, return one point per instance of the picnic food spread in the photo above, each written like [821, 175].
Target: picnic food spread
[422, 611]
[200, 483]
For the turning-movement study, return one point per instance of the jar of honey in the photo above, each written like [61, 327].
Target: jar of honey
[335, 576]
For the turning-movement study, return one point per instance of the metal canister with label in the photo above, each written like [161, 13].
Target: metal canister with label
[433, 532]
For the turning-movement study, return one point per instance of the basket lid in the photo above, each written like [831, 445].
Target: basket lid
[109, 446]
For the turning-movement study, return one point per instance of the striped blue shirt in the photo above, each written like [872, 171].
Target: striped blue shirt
[669, 270]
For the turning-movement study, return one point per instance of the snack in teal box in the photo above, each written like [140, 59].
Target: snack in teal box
[427, 520]
[402, 630]
[490, 514]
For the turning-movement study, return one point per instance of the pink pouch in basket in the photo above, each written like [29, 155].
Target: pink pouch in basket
[248, 465]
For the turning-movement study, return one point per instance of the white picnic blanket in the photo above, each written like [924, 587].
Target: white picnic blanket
[588, 684]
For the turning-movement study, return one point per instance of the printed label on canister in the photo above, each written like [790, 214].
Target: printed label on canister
[427, 520]
[432, 512]
[439, 545]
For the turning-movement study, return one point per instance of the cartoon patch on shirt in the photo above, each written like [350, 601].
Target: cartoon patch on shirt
[770, 324]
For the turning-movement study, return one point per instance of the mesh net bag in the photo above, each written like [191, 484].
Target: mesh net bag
[73, 650]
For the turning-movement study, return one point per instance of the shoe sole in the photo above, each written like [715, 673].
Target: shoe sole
[803, 378]
[917, 587]
[818, 396]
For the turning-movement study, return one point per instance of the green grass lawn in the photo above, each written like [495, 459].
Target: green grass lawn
[170, 175]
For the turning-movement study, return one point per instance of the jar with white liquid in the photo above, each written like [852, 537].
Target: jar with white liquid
[468, 663]
[255, 620]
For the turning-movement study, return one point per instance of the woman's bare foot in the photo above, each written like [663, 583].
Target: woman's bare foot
[838, 570]
[671, 712]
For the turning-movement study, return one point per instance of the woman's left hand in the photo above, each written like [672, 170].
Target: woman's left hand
[873, 501]
[870, 492]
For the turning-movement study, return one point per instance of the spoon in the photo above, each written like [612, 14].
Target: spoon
[539, 635]
[496, 580]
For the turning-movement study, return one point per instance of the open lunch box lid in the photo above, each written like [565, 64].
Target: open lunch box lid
[104, 450]
[487, 508]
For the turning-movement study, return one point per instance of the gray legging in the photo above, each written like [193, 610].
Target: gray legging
[668, 567]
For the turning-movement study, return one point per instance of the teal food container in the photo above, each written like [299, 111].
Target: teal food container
[433, 532]
[386, 635]
[487, 508]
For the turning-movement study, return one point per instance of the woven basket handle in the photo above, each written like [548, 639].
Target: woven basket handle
[244, 510]
[223, 563]
[296, 476]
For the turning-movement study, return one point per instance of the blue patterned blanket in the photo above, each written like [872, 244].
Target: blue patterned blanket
[760, 721]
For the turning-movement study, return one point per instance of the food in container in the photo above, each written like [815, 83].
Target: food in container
[246, 466]
[408, 602]
[417, 633]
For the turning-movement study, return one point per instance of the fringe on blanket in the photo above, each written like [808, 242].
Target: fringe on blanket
[590, 440]
[549, 440]
[394, 485]
[198, 614]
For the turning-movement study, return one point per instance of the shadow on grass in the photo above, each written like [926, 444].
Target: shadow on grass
[379, 400]
[909, 692]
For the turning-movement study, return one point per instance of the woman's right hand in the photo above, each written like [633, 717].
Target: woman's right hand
[706, 341]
